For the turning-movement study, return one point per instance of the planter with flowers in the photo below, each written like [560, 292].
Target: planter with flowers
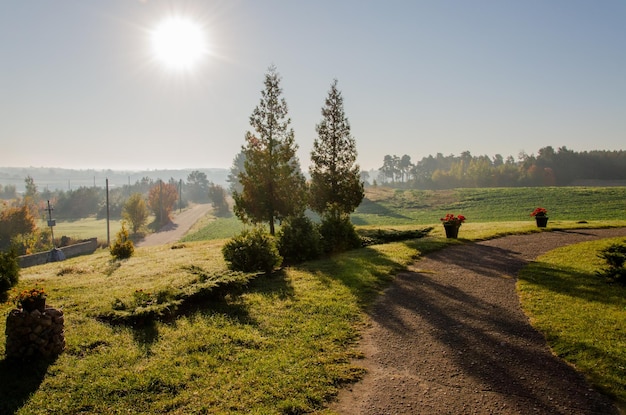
[541, 217]
[34, 330]
[33, 299]
[451, 224]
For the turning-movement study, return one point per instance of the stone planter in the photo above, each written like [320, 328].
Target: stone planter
[542, 221]
[34, 334]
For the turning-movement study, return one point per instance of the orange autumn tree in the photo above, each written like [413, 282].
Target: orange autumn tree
[15, 221]
[162, 198]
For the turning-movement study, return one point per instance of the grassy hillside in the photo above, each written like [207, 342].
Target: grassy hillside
[385, 206]
[283, 345]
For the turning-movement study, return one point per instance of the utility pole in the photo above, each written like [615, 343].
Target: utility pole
[51, 223]
[108, 217]
[161, 203]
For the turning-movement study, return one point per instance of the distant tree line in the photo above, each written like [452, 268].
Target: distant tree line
[548, 168]
[7, 192]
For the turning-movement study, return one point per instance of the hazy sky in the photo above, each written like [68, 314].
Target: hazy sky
[80, 87]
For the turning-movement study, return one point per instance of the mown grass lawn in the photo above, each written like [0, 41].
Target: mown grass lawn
[582, 316]
[284, 345]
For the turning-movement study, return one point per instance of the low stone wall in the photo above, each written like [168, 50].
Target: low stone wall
[35, 334]
[82, 248]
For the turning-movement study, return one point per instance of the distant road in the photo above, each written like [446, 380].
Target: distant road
[181, 223]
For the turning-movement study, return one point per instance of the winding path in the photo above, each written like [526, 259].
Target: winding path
[449, 337]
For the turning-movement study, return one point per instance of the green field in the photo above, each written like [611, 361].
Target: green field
[385, 206]
[85, 228]
[502, 207]
[283, 345]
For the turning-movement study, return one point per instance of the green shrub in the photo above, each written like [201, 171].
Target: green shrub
[615, 258]
[252, 250]
[384, 236]
[299, 240]
[123, 247]
[338, 235]
[9, 272]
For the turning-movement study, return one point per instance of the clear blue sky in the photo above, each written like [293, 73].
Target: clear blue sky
[79, 87]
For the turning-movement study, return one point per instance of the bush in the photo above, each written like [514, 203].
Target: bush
[615, 257]
[338, 235]
[9, 272]
[252, 250]
[299, 240]
[135, 212]
[384, 236]
[123, 247]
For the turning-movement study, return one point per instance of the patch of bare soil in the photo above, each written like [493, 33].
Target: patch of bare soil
[449, 337]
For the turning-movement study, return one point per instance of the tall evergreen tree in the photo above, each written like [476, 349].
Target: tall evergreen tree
[273, 186]
[336, 187]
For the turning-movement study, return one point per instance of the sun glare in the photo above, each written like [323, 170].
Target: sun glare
[179, 43]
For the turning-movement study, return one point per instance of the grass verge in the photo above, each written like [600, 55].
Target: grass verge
[582, 316]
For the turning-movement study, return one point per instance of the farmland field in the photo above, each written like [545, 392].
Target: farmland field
[85, 228]
[385, 206]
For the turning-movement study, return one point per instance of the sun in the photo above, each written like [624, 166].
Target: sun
[179, 43]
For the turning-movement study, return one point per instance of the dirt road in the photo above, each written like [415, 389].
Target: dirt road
[181, 223]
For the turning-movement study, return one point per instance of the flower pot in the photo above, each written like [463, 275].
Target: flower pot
[33, 304]
[542, 221]
[452, 231]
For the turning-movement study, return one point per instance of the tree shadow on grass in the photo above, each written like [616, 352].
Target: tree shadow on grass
[157, 227]
[228, 303]
[364, 271]
[18, 381]
[146, 336]
[368, 207]
[573, 283]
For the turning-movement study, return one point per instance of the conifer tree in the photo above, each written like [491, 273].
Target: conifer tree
[273, 186]
[336, 187]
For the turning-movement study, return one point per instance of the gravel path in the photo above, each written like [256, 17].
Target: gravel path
[449, 337]
[181, 223]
